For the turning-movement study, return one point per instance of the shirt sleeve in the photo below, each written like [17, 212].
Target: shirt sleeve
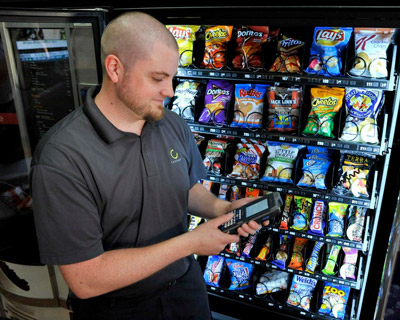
[66, 218]
[197, 170]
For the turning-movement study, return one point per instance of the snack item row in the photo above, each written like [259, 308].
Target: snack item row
[277, 108]
[303, 166]
[327, 53]
[296, 291]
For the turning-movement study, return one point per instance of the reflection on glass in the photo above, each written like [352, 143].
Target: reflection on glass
[44, 76]
[11, 151]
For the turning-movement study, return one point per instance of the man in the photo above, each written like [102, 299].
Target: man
[112, 184]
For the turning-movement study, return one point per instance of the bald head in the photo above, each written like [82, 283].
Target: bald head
[131, 36]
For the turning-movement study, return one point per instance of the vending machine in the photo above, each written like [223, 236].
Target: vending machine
[303, 101]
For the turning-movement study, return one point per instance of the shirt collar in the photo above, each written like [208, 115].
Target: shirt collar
[104, 128]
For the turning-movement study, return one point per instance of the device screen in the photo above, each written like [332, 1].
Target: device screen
[257, 207]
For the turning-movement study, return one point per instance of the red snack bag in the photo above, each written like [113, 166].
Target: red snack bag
[249, 46]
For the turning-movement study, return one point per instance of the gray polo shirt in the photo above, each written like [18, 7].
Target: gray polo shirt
[96, 188]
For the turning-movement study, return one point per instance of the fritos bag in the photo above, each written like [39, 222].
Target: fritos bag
[217, 39]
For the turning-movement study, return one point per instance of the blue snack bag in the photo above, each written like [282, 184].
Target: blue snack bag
[334, 300]
[327, 50]
[212, 272]
[241, 273]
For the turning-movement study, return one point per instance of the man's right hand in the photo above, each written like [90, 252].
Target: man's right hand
[208, 239]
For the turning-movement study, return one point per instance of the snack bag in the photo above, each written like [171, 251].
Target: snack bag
[287, 209]
[327, 50]
[348, 268]
[288, 60]
[301, 213]
[282, 254]
[216, 101]
[185, 36]
[248, 50]
[301, 291]
[336, 215]
[284, 108]
[215, 155]
[356, 224]
[249, 105]
[212, 272]
[362, 109]
[247, 160]
[265, 250]
[187, 93]
[297, 259]
[330, 264]
[325, 103]
[240, 273]
[314, 173]
[194, 222]
[281, 161]
[354, 174]
[371, 45]
[217, 39]
[272, 281]
[334, 300]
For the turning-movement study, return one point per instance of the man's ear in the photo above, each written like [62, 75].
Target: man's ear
[113, 67]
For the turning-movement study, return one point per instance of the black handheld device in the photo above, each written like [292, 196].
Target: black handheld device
[258, 210]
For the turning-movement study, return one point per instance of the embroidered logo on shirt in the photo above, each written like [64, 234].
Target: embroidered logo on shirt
[174, 156]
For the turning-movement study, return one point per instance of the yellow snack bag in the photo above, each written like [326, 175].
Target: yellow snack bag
[185, 36]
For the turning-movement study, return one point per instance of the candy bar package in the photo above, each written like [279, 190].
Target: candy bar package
[288, 60]
[265, 250]
[317, 223]
[301, 292]
[348, 268]
[248, 244]
[334, 300]
[284, 108]
[331, 260]
[247, 159]
[327, 50]
[185, 36]
[249, 43]
[240, 273]
[314, 259]
[212, 272]
[216, 44]
[336, 219]
[325, 103]
[272, 281]
[216, 102]
[355, 228]
[353, 175]
[280, 162]
[249, 105]
[301, 213]
[286, 212]
[297, 258]
[186, 96]
[362, 109]
[371, 46]
[194, 221]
